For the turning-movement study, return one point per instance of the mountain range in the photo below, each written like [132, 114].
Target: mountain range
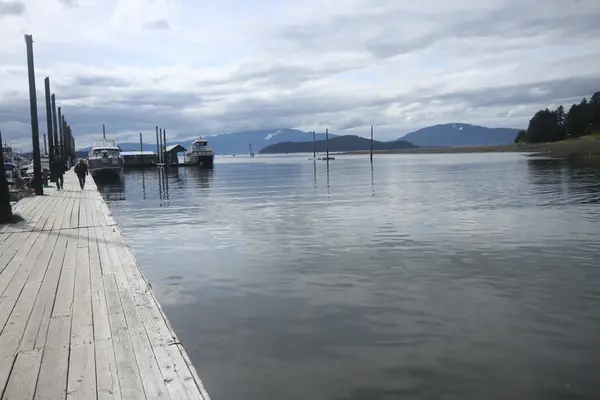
[446, 135]
[456, 135]
[340, 143]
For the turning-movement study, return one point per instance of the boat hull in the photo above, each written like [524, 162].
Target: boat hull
[201, 160]
[108, 173]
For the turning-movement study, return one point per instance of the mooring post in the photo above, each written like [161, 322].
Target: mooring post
[50, 151]
[165, 148]
[160, 146]
[327, 143]
[55, 128]
[103, 132]
[69, 143]
[314, 146]
[371, 143]
[35, 134]
[5, 207]
[62, 139]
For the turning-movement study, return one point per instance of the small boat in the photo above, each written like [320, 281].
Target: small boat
[105, 160]
[200, 154]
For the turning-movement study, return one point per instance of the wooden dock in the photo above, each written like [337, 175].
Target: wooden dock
[77, 317]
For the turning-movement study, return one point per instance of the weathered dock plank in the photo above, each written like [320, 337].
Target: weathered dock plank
[77, 317]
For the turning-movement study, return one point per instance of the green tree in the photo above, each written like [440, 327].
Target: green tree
[543, 127]
[521, 137]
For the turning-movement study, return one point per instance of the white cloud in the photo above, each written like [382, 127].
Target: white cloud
[346, 64]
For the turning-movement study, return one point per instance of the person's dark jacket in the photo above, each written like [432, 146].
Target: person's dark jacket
[58, 168]
[81, 169]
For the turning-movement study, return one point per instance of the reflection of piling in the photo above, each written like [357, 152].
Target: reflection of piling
[371, 143]
[141, 151]
[5, 208]
[35, 134]
[372, 182]
[315, 173]
[50, 150]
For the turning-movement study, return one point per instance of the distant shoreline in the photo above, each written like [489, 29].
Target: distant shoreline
[574, 148]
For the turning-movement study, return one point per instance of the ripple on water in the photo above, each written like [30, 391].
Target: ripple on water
[426, 277]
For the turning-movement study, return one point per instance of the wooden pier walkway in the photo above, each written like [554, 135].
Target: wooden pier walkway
[77, 318]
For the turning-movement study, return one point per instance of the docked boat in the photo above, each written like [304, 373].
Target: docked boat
[105, 160]
[11, 157]
[200, 154]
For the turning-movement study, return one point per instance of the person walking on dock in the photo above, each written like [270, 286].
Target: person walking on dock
[81, 170]
[58, 168]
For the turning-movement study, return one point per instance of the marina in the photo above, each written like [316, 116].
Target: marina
[77, 317]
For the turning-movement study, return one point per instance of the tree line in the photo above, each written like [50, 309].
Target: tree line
[554, 125]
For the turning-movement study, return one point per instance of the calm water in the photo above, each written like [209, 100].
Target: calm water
[425, 277]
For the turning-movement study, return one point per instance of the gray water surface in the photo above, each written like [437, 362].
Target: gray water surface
[460, 276]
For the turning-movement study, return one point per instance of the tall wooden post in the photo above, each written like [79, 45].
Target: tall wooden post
[45, 146]
[60, 134]
[50, 151]
[371, 143]
[5, 207]
[55, 126]
[157, 147]
[35, 134]
[165, 146]
[103, 132]
[314, 146]
[160, 149]
[69, 143]
[63, 139]
[327, 143]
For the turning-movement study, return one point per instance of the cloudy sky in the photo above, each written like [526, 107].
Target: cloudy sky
[219, 66]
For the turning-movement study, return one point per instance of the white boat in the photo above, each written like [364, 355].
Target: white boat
[105, 160]
[11, 157]
[200, 154]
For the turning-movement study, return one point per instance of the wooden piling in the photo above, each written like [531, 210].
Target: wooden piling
[36, 183]
[166, 160]
[327, 143]
[55, 127]
[60, 134]
[50, 150]
[157, 147]
[314, 146]
[65, 148]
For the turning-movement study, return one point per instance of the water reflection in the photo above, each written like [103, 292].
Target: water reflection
[562, 181]
[466, 276]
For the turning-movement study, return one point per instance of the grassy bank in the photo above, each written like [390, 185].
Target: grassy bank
[588, 146]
